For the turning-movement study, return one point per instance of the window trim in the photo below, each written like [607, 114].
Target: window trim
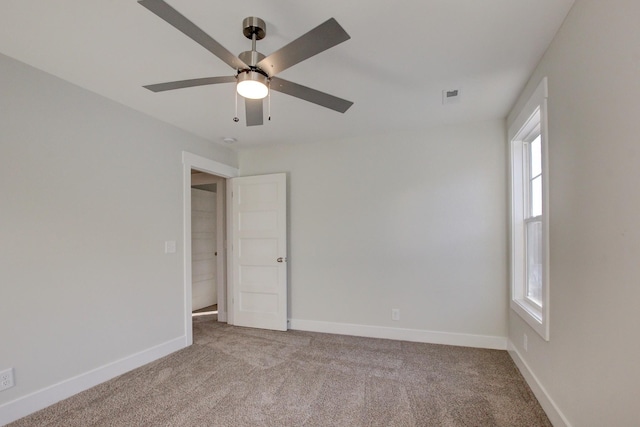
[520, 129]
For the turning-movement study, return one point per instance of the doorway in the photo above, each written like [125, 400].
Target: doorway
[220, 171]
[207, 241]
[249, 222]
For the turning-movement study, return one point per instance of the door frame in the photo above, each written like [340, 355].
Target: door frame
[192, 161]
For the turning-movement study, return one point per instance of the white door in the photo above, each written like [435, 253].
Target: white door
[259, 205]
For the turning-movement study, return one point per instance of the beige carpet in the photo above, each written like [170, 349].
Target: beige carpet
[235, 376]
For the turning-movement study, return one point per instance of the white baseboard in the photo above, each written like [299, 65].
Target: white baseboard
[415, 335]
[550, 408]
[40, 399]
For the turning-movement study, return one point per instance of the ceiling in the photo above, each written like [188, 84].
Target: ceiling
[400, 57]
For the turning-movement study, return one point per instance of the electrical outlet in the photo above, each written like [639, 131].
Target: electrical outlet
[395, 314]
[525, 343]
[6, 379]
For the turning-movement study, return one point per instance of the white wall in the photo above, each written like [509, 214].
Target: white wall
[590, 367]
[414, 221]
[89, 192]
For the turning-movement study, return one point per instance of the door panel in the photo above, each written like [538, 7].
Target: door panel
[258, 221]
[259, 251]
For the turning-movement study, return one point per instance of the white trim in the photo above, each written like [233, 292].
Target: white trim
[541, 93]
[209, 166]
[47, 396]
[415, 335]
[229, 217]
[221, 241]
[193, 161]
[554, 414]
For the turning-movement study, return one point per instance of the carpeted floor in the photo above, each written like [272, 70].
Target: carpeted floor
[235, 376]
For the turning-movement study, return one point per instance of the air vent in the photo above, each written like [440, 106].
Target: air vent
[451, 96]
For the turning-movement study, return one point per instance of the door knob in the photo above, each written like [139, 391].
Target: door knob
[281, 259]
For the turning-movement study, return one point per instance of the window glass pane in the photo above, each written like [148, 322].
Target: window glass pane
[536, 196]
[534, 261]
[536, 156]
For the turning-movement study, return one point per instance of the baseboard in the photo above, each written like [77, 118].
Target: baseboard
[415, 335]
[556, 417]
[40, 399]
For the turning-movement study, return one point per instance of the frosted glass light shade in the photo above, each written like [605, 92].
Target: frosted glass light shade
[252, 85]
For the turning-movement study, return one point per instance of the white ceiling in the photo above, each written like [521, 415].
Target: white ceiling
[401, 56]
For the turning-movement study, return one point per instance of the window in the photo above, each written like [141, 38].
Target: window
[530, 213]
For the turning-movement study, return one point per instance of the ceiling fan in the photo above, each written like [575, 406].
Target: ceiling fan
[256, 74]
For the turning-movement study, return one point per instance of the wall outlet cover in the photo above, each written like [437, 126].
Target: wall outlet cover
[6, 379]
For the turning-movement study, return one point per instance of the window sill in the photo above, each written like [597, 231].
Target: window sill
[532, 315]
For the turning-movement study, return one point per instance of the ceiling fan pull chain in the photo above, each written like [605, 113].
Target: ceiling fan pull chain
[269, 101]
[236, 119]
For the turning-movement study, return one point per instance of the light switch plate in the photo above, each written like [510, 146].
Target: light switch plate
[170, 247]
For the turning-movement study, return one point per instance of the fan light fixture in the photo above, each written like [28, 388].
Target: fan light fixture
[252, 85]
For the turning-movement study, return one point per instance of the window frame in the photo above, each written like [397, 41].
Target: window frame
[522, 131]
[529, 217]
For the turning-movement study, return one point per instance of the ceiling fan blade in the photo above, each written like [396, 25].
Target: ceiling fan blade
[321, 38]
[191, 30]
[311, 95]
[253, 109]
[179, 84]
